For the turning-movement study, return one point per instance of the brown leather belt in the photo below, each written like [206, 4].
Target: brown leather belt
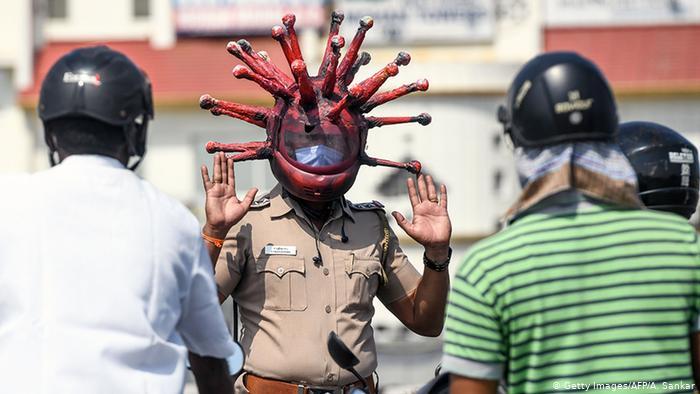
[259, 385]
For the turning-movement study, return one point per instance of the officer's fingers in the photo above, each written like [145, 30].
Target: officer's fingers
[412, 194]
[206, 182]
[224, 169]
[231, 174]
[422, 188]
[432, 193]
[249, 198]
[402, 222]
[443, 196]
[217, 167]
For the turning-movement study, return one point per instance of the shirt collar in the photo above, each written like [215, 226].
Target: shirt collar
[92, 160]
[591, 184]
[345, 205]
[281, 204]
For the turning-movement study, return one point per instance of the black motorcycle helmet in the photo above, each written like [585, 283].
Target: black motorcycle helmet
[558, 97]
[103, 84]
[666, 165]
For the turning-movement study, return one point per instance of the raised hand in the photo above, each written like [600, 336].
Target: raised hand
[222, 207]
[430, 226]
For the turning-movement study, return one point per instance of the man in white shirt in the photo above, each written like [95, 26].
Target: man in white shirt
[105, 283]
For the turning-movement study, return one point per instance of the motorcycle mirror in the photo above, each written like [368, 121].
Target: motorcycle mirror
[440, 384]
[438, 369]
[236, 361]
[340, 352]
[344, 357]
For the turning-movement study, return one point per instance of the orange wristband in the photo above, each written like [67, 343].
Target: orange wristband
[214, 241]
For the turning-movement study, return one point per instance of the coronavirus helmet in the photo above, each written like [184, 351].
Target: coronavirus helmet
[316, 131]
[666, 165]
[558, 97]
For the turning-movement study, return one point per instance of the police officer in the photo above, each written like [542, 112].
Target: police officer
[105, 281]
[666, 164]
[299, 270]
[303, 261]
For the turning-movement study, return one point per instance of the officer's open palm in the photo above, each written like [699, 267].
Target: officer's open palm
[431, 225]
[222, 207]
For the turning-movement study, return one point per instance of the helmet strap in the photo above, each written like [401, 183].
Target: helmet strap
[134, 134]
[503, 117]
[48, 138]
[52, 158]
[508, 140]
[135, 163]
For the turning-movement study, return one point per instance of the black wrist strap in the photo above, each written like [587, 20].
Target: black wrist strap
[438, 266]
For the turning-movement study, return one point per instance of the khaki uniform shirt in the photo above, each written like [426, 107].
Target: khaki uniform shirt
[290, 300]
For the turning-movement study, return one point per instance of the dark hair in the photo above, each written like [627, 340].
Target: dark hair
[84, 135]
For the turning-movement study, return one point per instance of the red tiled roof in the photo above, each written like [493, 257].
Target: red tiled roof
[658, 59]
[181, 74]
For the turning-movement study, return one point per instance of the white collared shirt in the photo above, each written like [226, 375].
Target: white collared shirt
[104, 283]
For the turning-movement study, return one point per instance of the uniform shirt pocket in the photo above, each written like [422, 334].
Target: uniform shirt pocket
[284, 281]
[363, 276]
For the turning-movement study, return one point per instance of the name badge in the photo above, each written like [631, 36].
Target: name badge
[280, 250]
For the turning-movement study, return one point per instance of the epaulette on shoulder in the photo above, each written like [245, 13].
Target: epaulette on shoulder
[262, 202]
[367, 206]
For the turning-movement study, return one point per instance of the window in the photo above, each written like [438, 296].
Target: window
[57, 9]
[142, 8]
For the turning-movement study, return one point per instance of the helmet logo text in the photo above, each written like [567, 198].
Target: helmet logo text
[684, 156]
[82, 78]
[575, 103]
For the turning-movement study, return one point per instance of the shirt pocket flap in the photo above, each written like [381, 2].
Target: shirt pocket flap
[281, 265]
[364, 266]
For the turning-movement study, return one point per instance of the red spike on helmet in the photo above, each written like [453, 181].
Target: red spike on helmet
[316, 134]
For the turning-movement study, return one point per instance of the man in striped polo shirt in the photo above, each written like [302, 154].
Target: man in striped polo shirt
[584, 290]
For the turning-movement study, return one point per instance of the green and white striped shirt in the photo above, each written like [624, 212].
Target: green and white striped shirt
[576, 293]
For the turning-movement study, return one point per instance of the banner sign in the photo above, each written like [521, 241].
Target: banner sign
[217, 17]
[565, 13]
[417, 21]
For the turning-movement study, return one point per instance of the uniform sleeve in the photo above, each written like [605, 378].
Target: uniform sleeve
[232, 259]
[202, 325]
[402, 276]
[473, 344]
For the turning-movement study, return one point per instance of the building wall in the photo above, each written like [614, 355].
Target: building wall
[16, 50]
[17, 42]
[17, 145]
[88, 20]
[679, 112]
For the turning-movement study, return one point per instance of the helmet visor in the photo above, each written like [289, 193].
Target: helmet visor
[324, 149]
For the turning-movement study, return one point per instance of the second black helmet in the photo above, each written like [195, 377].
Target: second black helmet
[666, 165]
[558, 97]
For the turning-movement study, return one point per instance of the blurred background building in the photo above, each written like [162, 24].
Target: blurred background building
[469, 50]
